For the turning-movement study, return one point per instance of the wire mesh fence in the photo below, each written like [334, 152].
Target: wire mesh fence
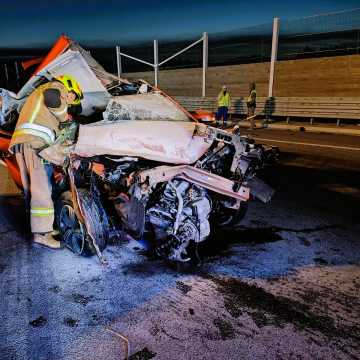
[315, 36]
[247, 45]
[320, 35]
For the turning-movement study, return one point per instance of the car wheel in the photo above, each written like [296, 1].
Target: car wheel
[71, 230]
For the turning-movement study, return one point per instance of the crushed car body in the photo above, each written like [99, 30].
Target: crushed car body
[147, 170]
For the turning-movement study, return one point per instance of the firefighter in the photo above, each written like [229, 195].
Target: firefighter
[37, 128]
[251, 105]
[224, 101]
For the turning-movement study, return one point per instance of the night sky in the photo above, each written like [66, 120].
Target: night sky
[107, 22]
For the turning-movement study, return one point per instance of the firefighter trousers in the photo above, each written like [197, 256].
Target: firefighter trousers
[36, 180]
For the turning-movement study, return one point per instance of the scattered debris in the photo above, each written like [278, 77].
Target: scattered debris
[71, 322]
[95, 317]
[38, 322]
[81, 299]
[183, 287]
[96, 279]
[124, 338]
[144, 354]
[55, 289]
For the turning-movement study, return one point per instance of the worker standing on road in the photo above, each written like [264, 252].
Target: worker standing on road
[251, 105]
[36, 129]
[224, 102]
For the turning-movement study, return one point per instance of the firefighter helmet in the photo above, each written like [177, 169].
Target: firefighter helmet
[72, 85]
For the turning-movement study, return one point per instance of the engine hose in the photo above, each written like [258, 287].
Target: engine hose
[180, 207]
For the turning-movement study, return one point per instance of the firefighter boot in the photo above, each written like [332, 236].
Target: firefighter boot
[47, 240]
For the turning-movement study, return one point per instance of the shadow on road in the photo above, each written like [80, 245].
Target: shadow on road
[12, 214]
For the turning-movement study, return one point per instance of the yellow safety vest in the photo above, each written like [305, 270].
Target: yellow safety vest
[250, 97]
[224, 99]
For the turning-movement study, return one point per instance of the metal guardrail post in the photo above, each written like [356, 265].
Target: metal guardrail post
[6, 74]
[205, 61]
[156, 62]
[17, 73]
[274, 49]
[17, 70]
[156, 65]
[118, 61]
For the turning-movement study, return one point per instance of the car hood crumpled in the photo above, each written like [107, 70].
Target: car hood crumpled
[171, 142]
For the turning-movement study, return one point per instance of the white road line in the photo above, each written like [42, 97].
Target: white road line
[310, 144]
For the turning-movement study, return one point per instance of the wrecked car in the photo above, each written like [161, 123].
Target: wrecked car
[147, 170]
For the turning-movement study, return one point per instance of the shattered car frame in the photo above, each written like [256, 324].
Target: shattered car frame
[166, 178]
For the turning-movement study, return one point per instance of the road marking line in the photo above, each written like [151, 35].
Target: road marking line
[309, 144]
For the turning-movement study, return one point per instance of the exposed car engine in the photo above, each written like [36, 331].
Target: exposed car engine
[180, 216]
[174, 207]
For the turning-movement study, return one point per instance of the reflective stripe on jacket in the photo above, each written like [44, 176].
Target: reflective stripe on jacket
[36, 130]
[224, 99]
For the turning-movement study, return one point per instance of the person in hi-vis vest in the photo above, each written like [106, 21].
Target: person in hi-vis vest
[224, 102]
[251, 105]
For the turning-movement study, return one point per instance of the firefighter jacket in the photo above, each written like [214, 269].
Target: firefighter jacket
[38, 123]
[224, 99]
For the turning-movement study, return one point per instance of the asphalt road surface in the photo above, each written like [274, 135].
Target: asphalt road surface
[285, 285]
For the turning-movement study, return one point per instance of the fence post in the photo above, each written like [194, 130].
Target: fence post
[205, 61]
[118, 62]
[17, 74]
[274, 49]
[156, 62]
[6, 75]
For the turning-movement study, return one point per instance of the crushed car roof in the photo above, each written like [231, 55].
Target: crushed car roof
[68, 57]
